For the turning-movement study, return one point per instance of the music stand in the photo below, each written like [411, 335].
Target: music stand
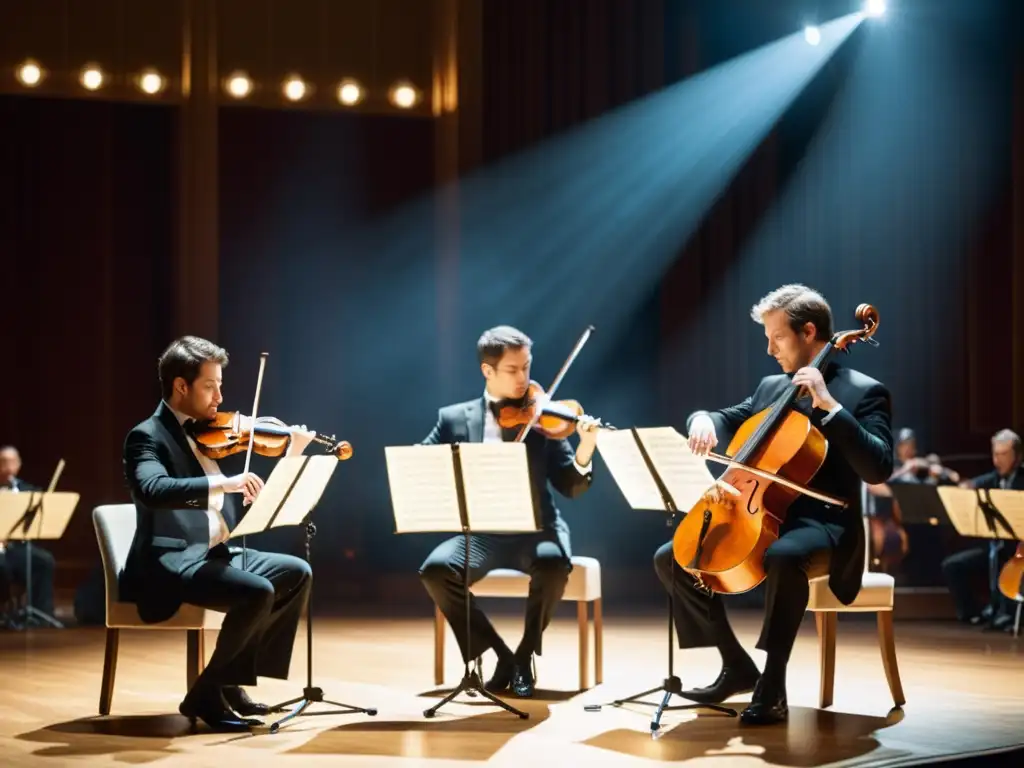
[462, 488]
[920, 503]
[979, 513]
[655, 469]
[29, 516]
[288, 497]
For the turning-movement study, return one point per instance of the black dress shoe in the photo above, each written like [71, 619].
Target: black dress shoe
[767, 706]
[522, 680]
[502, 677]
[240, 702]
[211, 709]
[731, 681]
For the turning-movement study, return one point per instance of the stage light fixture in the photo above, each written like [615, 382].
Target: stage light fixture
[294, 88]
[91, 77]
[151, 82]
[874, 8]
[812, 35]
[239, 85]
[29, 74]
[403, 95]
[350, 93]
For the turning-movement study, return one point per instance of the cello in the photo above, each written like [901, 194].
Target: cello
[771, 459]
[1011, 577]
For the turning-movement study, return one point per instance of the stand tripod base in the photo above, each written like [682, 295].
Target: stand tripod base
[671, 686]
[309, 697]
[30, 616]
[471, 685]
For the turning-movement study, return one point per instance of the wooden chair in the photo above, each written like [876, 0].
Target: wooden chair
[584, 587]
[876, 596]
[115, 528]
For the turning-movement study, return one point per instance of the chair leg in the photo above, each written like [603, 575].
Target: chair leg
[598, 643]
[826, 624]
[887, 642]
[194, 657]
[109, 670]
[438, 646]
[582, 628]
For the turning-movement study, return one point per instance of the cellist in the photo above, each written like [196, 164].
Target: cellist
[853, 412]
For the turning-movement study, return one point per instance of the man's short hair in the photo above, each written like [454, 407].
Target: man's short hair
[495, 342]
[184, 357]
[801, 304]
[1008, 436]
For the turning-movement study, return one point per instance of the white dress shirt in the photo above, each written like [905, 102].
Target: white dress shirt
[828, 416]
[492, 431]
[218, 528]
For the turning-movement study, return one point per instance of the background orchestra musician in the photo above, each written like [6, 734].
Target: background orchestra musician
[889, 541]
[964, 568]
[852, 411]
[13, 554]
[185, 510]
[505, 358]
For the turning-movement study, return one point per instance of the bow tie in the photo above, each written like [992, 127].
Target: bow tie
[189, 425]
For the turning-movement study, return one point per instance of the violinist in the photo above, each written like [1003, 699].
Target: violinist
[185, 508]
[959, 569]
[852, 411]
[889, 539]
[505, 358]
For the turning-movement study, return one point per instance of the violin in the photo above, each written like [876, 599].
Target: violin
[773, 456]
[1011, 577]
[555, 419]
[229, 433]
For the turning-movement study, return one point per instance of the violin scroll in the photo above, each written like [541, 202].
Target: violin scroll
[865, 314]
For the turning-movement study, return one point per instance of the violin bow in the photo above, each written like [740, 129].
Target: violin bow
[557, 381]
[252, 429]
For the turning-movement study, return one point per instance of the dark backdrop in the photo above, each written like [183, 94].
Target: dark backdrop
[317, 270]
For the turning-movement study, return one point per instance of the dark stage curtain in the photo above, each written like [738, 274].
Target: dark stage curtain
[86, 236]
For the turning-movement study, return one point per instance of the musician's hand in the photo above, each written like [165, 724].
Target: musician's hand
[586, 428]
[814, 382]
[702, 435]
[248, 484]
[300, 439]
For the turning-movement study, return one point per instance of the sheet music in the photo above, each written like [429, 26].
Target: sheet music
[496, 478]
[422, 482]
[685, 474]
[298, 482]
[1011, 506]
[962, 507]
[628, 469]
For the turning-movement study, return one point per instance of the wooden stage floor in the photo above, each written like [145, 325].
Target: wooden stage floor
[963, 690]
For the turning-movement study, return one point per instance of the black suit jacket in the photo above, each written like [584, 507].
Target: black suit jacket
[171, 494]
[991, 480]
[549, 460]
[860, 448]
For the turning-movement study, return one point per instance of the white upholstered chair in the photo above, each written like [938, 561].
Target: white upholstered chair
[876, 596]
[115, 528]
[583, 588]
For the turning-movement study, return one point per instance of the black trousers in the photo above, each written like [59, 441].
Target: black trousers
[700, 619]
[13, 562]
[963, 569]
[543, 555]
[263, 601]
